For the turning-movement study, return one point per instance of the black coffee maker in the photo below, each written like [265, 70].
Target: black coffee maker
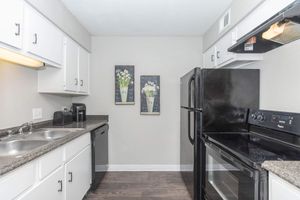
[79, 112]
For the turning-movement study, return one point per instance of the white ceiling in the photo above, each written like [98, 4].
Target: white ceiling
[147, 17]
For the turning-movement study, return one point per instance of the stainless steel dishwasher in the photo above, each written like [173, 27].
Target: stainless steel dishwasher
[99, 142]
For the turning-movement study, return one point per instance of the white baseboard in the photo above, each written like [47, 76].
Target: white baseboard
[117, 168]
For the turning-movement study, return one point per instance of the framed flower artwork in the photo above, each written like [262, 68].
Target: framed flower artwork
[124, 84]
[150, 95]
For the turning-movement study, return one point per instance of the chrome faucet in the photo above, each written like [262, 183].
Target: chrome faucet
[27, 125]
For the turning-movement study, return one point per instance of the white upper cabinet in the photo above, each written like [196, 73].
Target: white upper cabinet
[83, 70]
[42, 38]
[218, 56]
[222, 55]
[73, 78]
[11, 22]
[71, 65]
[76, 67]
[210, 58]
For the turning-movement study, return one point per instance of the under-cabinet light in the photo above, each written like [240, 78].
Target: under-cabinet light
[275, 30]
[16, 58]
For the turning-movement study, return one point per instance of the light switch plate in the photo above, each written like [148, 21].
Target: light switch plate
[37, 113]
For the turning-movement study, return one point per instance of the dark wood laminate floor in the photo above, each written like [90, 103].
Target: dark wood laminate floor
[141, 185]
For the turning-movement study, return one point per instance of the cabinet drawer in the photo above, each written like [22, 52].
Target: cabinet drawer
[75, 146]
[49, 162]
[17, 181]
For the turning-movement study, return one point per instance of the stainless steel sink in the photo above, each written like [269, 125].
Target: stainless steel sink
[52, 134]
[18, 147]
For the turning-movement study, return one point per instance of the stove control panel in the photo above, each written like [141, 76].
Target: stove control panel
[282, 121]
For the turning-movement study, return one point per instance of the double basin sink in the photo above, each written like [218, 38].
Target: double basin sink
[18, 145]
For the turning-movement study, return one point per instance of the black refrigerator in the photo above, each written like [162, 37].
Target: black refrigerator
[212, 100]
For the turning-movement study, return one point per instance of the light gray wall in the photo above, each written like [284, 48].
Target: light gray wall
[137, 139]
[239, 10]
[55, 11]
[18, 94]
[280, 82]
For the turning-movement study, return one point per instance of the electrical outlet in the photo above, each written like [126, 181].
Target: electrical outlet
[64, 108]
[37, 113]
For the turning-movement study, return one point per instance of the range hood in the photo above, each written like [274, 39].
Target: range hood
[282, 28]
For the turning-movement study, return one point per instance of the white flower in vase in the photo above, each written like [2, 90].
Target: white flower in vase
[124, 79]
[150, 90]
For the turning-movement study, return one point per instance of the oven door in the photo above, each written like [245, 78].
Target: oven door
[228, 178]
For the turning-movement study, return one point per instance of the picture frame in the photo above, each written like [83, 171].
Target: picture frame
[150, 94]
[124, 85]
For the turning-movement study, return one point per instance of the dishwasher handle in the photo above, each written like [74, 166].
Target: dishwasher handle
[101, 130]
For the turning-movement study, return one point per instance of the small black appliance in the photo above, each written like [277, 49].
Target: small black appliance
[79, 112]
[61, 118]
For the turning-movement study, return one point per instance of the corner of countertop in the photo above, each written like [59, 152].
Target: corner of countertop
[287, 170]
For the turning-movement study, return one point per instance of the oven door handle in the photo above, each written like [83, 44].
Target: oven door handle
[233, 161]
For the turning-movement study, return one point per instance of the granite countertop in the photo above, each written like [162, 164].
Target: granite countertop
[287, 170]
[9, 163]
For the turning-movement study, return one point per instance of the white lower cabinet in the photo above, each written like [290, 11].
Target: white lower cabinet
[280, 189]
[16, 182]
[62, 174]
[78, 176]
[50, 188]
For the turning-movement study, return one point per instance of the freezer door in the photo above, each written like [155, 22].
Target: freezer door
[227, 95]
[188, 87]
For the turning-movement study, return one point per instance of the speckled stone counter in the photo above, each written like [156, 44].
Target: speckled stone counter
[10, 163]
[287, 170]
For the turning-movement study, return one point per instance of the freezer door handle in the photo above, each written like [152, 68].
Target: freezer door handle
[192, 79]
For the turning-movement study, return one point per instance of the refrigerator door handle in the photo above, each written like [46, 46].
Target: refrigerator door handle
[192, 140]
[192, 79]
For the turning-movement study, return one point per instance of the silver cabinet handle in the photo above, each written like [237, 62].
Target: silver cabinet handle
[76, 81]
[18, 29]
[35, 39]
[71, 177]
[212, 58]
[81, 82]
[60, 186]
[218, 54]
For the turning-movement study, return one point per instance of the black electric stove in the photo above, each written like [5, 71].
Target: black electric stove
[233, 159]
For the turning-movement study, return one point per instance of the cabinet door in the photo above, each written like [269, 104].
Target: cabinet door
[49, 189]
[210, 58]
[83, 70]
[222, 53]
[279, 189]
[78, 175]
[71, 65]
[11, 22]
[43, 39]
